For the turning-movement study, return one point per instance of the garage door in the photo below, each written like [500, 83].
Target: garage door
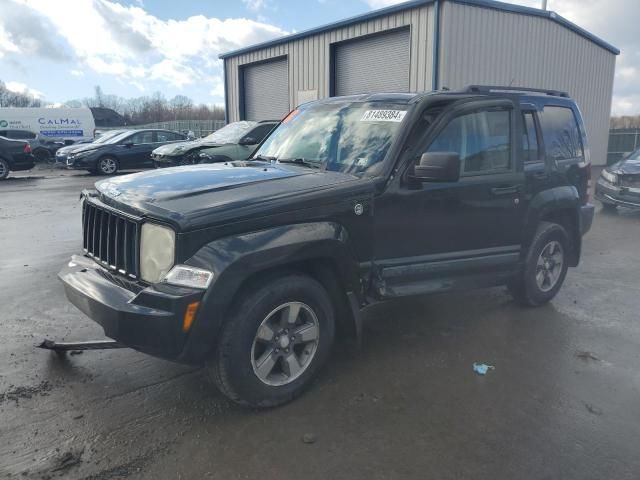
[376, 64]
[266, 90]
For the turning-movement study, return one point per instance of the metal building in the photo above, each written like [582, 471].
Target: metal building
[424, 45]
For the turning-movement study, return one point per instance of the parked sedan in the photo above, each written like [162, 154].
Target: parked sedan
[235, 141]
[619, 184]
[63, 153]
[129, 150]
[14, 155]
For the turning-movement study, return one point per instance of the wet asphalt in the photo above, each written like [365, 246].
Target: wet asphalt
[563, 401]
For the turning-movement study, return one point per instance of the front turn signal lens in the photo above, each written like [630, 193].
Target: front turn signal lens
[189, 316]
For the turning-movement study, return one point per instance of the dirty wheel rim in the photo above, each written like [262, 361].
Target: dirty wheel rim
[108, 165]
[285, 343]
[3, 170]
[549, 265]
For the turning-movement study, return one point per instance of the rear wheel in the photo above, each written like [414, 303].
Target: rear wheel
[107, 166]
[609, 207]
[4, 169]
[275, 341]
[545, 266]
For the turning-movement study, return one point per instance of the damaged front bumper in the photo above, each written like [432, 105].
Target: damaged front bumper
[146, 318]
[617, 195]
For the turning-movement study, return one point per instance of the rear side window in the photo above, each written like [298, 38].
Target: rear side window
[482, 139]
[168, 137]
[561, 134]
[530, 138]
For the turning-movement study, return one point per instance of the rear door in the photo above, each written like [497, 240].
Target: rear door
[430, 235]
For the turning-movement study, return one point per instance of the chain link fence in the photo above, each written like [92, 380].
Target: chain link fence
[621, 142]
[201, 128]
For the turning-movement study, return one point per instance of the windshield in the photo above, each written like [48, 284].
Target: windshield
[343, 137]
[118, 137]
[231, 133]
[107, 136]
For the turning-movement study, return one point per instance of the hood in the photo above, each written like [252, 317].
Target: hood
[180, 148]
[199, 196]
[88, 147]
[72, 148]
[626, 167]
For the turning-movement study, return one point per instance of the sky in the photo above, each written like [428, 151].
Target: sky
[59, 50]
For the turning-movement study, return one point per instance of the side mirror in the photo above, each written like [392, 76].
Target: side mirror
[247, 141]
[128, 144]
[438, 167]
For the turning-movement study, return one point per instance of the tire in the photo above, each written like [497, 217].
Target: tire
[4, 169]
[107, 166]
[609, 207]
[254, 364]
[547, 259]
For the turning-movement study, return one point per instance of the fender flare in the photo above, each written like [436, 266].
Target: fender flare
[235, 259]
[565, 198]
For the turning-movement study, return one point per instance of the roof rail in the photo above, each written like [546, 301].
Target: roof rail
[497, 88]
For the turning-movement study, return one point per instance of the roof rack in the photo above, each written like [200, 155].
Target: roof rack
[497, 88]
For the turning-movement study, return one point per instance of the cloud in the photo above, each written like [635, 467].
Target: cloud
[255, 5]
[77, 73]
[18, 87]
[126, 42]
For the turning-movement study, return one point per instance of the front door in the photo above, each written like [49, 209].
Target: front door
[135, 151]
[437, 236]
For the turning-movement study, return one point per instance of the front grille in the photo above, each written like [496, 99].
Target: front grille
[111, 238]
[632, 181]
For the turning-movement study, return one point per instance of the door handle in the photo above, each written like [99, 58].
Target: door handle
[507, 190]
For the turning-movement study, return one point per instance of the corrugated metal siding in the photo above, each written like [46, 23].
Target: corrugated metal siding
[309, 58]
[378, 63]
[485, 46]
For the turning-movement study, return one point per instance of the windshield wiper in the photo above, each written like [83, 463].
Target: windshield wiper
[301, 161]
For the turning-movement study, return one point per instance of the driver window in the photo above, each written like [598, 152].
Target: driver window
[141, 137]
[482, 139]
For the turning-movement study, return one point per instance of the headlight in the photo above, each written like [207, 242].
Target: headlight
[609, 177]
[157, 251]
[80, 155]
[186, 276]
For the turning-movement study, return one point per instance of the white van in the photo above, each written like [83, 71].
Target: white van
[55, 123]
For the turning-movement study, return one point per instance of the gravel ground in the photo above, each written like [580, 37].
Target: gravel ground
[562, 401]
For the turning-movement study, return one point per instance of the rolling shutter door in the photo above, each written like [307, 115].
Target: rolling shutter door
[266, 90]
[376, 64]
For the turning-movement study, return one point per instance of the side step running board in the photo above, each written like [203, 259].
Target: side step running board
[71, 346]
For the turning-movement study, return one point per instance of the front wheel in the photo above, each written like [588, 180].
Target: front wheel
[545, 266]
[275, 341]
[107, 166]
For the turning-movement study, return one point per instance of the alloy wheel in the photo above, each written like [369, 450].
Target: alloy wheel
[285, 343]
[108, 166]
[549, 265]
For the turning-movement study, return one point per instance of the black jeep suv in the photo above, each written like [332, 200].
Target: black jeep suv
[249, 267]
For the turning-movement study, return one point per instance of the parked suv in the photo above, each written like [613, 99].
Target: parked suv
[129, 150]
[235, 141]
[15, 155]
[249, 267]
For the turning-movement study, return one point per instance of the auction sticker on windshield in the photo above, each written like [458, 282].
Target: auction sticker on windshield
[383, 116]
